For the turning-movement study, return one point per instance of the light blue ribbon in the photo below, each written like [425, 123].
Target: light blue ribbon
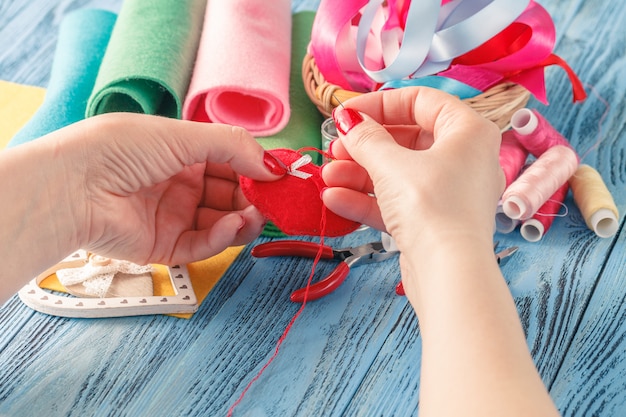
[449, 85]
[434, 35]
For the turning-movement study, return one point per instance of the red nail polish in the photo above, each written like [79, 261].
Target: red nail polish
[276, 166]
[346, 119]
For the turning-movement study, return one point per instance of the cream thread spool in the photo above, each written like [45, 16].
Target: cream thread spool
[595, 201]
[537, 183]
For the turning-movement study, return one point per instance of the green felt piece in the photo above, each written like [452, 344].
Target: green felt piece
[303, 129]
[148, 63]
[271, 230]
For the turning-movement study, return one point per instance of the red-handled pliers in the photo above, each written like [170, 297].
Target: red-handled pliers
[348, 257]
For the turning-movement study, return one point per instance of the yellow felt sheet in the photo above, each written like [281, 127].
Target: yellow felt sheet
[17, 105]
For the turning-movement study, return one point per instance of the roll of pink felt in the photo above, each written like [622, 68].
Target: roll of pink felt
[241, 74]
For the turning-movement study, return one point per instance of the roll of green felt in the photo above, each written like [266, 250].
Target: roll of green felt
[83, 38]
[149, 60]
[303, 128]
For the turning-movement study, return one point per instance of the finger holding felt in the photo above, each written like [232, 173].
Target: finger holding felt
[353, 205]
[221, 171]
[221, 194]
[347, 174]
[429, 108]
[365, 140]
[193, 245]
[162, 147]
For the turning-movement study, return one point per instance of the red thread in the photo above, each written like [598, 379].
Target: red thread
[314, 149]
[537, 226]
[293, 319]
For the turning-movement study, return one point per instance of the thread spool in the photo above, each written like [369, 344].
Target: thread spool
[594, 200]
[539, 181]
[536, 227]
[534, 132]
[512, 156]
[504, 224]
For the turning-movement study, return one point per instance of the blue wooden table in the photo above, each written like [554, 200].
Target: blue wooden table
[357, 351]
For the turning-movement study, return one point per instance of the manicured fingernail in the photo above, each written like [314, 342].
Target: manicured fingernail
[275, 165]
[243, 223]
[330, 148]
[346, 119]
[322, 192]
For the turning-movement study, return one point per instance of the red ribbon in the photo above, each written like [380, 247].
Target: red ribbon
[519, 54]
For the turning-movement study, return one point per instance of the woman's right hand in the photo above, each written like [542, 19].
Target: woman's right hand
[430, 160]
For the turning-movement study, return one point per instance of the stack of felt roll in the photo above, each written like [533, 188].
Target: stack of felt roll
[236, 62]
[535, 190]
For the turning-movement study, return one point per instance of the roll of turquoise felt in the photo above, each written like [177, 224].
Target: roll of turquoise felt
[82, 41]
[148, 63]
[303, 128]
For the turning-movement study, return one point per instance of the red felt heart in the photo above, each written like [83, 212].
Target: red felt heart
[293, 204]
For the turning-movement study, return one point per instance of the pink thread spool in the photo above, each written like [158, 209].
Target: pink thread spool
[538, 182]
[512, 156]
[512, 159]
[534, 228]
[534, 132]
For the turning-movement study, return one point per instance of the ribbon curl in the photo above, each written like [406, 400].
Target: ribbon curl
[359, 44]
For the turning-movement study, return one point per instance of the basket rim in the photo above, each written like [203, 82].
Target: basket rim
[497, 104]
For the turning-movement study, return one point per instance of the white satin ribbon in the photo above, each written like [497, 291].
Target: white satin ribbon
[434, 35]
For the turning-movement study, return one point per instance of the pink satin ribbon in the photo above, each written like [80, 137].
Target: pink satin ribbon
[359, 44]
[518, 54]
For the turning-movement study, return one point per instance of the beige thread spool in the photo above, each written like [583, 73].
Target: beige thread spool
[595, 201]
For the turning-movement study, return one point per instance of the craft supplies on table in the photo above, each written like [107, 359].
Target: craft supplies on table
[535, 192]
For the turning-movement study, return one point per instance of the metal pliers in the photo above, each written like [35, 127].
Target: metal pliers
[501, 257]
[348, 258]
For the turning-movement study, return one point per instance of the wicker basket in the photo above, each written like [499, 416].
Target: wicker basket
[496, 104]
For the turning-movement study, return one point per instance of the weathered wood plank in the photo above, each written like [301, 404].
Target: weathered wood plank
[591, 380]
